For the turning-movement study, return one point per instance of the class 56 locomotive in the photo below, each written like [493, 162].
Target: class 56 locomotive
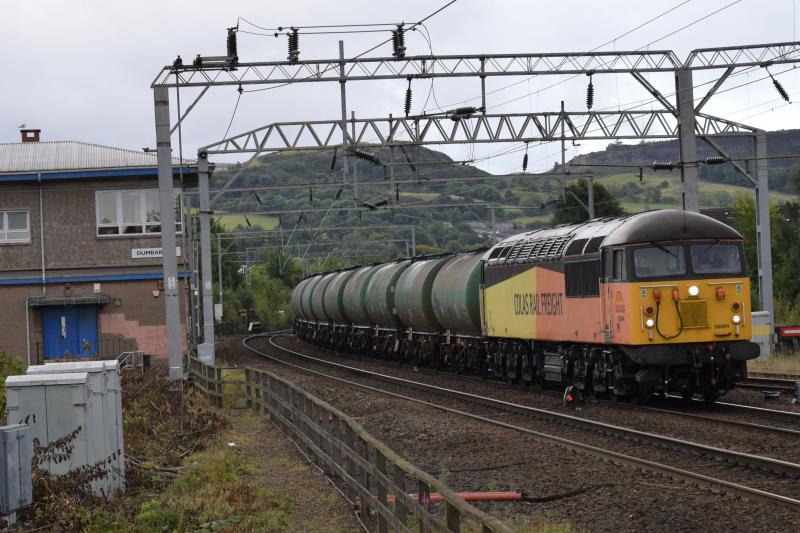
[654, 302]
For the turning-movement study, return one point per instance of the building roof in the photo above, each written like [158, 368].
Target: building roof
[18, 158]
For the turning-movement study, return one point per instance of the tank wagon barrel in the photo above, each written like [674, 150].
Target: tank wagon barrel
[413, 294]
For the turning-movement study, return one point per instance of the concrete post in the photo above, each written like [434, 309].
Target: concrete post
[687, 142]
[763, 232]
[166, 195]
[590, 187]
[413, 241]
[205, 352]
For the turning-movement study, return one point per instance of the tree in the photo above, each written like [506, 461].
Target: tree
[785, 241]
[570, 210]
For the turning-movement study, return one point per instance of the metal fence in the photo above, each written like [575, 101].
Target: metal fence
[365, 469]
[60, 350]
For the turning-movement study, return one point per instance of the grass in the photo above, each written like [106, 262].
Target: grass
[674, 187]
[231, 221]
[234, 390]
[784, 364]
[420, 195]
[218, 489]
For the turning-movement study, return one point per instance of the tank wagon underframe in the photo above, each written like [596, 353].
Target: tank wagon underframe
[629, 306]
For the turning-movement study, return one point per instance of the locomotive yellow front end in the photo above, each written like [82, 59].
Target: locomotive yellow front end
[681, 310]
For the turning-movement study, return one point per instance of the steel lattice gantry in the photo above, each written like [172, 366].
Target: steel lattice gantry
[681, 119]
[490, 128]
[219, 72]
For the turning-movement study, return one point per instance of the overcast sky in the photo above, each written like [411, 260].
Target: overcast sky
[81, 70]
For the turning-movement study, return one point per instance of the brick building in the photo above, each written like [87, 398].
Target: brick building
[80, 267]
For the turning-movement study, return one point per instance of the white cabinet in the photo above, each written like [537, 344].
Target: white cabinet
[105, 392]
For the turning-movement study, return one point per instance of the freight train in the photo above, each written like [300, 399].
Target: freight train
[629, 306]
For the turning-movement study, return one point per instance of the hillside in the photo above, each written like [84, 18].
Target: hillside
[525, 202]
[784, 142]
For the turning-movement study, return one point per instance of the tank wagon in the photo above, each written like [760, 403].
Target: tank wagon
[629, 306]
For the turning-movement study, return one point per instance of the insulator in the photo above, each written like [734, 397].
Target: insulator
[333, 162]
[590, 94]
[399, 43]
[366, 156]
[178, 63]
[247, 220]
[231, 42]
[781, 90]
[663, 165]
[300, 218]
[310, 194]
[339, 192]
[396, 193]
[258, 198]
[280, 222]
[714, 160]
[294, 46]
[198, 61]
[525, 162]
[408, 99]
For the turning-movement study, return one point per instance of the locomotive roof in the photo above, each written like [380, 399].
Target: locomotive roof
[589, 236]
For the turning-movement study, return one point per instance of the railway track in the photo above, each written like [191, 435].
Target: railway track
[769, 384]
[756, 465]
[679, 403]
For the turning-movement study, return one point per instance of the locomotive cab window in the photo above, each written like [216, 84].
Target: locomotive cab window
[614, 265]
[716, 258]
[659, 261]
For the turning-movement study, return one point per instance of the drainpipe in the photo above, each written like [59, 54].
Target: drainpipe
[41, 237]
[28, 327]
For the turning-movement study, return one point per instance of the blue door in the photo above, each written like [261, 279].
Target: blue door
[69, 331]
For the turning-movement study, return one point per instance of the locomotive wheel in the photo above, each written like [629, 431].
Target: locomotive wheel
[710, 397]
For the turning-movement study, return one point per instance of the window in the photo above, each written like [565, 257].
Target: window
[619, 264]
[582, 278]
[132, 212]
[659, 261]
[15, 226]
[716, 258]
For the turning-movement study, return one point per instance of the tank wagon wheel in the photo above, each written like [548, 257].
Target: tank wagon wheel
[444, 353]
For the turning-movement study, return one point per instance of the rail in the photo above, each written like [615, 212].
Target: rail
[366, 469]
[132, 359]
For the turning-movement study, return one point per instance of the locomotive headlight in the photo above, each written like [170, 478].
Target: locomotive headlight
[736, 319]
[694, 290]
[650, 323]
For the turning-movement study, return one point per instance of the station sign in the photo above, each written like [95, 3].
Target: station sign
[151, 253]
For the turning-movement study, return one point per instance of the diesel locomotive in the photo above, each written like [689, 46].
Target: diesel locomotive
[657, 302]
